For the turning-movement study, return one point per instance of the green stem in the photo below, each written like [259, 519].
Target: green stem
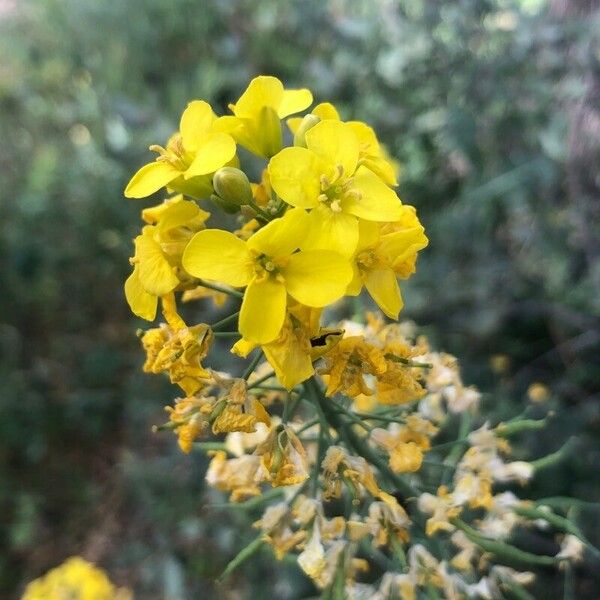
[514, 427]
[226, 334]
[261, 380]
[502, 550]
[251, 549]
[218, 288]
[457, 451]
[553, 459]
[253, 364]
[558, 522]
[210, 446]
[407, 361]
[226, 321]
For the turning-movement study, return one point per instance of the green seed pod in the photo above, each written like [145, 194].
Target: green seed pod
[300, 135]
[232, 186]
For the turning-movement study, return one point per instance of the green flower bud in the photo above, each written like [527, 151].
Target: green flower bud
[232, 186]
[300, 135]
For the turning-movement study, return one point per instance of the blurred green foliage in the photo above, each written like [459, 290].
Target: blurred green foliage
[476, 99]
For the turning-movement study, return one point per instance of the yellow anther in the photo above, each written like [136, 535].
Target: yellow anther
[323, 198]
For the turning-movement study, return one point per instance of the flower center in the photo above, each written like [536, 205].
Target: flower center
[337, 188]
[173, 154]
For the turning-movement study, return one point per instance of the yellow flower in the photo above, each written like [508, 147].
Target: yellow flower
[241, 476]
[442, 507]
[256, 124]
[190, 157]
[371, 153]
[178, 349]
[405, 457]
[348, 363]
[375, 259]
[75, 579]
[326, 177]
[158, 251]
[284, 457]
[300, 342]
[268, 264]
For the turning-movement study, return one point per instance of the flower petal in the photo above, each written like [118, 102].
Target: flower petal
[294, 101]
[335, 143]
[295, 176]
[317, 277]
[154, 270]
[214, 151]
[196, 121]
[377, 201]
[281, 236]
[263, 310]
[383, 287]
[398, 246]
[261, 91]
[142, 303]
[326, 110]
[329, 230]
[218, 255]
[150, 178]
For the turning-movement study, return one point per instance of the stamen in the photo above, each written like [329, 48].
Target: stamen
[324, 183]
[335, 206]
[323, 198]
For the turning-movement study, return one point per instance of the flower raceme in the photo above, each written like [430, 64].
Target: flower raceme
[346, 412]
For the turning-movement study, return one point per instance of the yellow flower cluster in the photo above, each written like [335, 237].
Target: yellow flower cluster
[75, 579]
[346, 432]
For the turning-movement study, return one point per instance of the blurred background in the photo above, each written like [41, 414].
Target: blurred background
[491, 106]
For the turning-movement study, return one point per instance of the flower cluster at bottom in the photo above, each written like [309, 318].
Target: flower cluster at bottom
[371, 473]
[75, 579]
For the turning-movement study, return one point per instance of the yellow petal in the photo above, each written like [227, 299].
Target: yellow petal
[368, 234]
[377, 202]
[142, 303]
[317, 277]
[218, 255]
[154, 270]
[398, 246]
[356, 284]
[263, 310]
[295, 176]
[326, 110]
[291, 363]
[178, 214]
[294, 101]
[150, 178]
[383, 168]
[281, 236]
[243, 348]
[329, 230]
[384, 289]
[262, 91]
[214, 151]
[335, 143]
[196, 122]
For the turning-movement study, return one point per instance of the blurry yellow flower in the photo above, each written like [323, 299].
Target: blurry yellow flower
[442, 507]
[270, 267]
[538, 392]
[256, 124]
[326, 177]
[241, 476]
[75, 579]
[190, 157]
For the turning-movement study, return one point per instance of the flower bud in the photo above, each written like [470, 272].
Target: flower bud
[232, 186]
[306, 123]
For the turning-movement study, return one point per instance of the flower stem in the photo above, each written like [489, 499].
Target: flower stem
[218, 288]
